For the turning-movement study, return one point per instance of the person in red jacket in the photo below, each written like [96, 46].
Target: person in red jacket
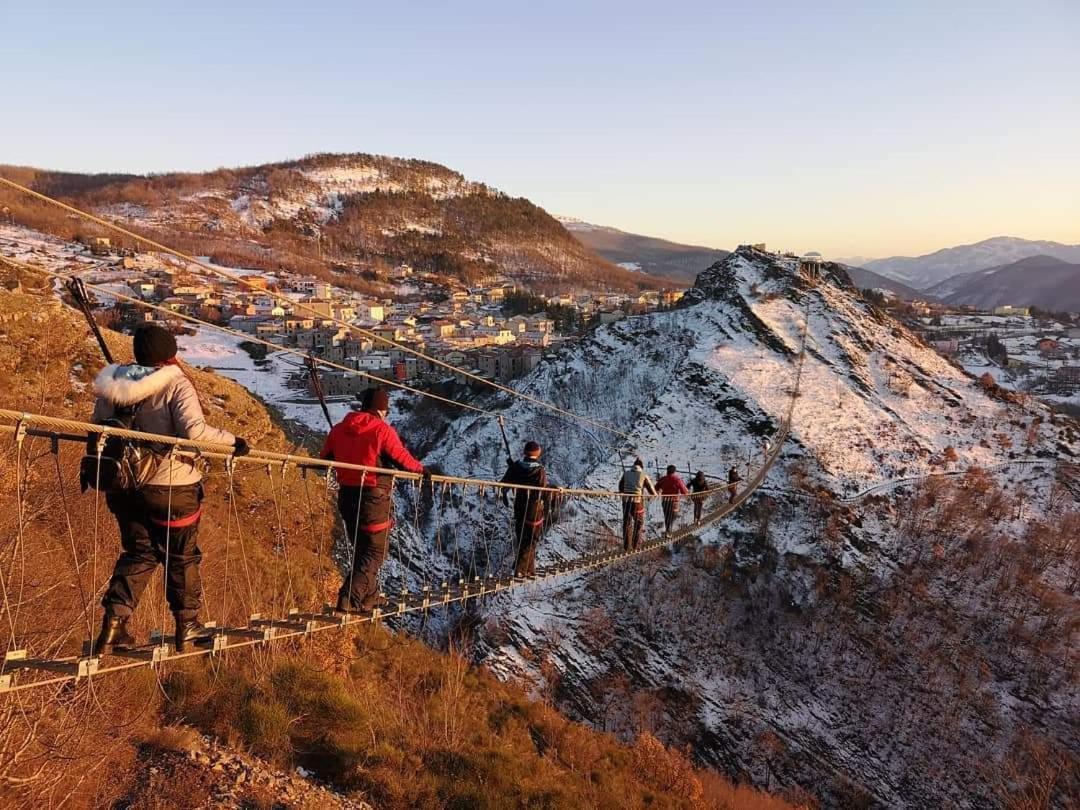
[671, 486]
[364, 499]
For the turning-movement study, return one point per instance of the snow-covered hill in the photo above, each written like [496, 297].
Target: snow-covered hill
[793, 640]
[925, 271]
[328, 213]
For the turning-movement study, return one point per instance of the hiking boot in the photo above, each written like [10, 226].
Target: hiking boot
[114, 634]
[191, 630]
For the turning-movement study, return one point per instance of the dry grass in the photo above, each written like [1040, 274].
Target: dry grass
[178, 738]
[390, 720]
[78, 745]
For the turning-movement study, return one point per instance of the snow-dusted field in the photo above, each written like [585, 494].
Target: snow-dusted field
[278, 380]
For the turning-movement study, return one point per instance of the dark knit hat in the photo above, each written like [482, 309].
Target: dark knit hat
[671, 468]
[153, 345]
[532, 449]
[376, 399]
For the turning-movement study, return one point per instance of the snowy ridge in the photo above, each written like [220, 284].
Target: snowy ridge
[925, 271]
[704, 387]
[290, 191]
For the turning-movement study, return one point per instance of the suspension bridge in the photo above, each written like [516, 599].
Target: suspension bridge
[25, 667]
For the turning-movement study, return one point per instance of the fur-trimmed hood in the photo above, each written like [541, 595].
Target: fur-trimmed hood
[127, 385]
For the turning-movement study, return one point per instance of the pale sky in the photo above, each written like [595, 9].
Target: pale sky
[853, 128]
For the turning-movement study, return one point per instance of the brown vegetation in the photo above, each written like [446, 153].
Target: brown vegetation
[406, 728]
[471, 234]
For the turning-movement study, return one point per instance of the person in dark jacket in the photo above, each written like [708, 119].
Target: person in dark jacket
[671, 486]
[159, 522]
[733, 480]
[530, 507]
[699, 486]
[634, 483]
[365, 438]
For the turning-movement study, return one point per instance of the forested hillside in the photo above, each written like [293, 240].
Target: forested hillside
[358, 215]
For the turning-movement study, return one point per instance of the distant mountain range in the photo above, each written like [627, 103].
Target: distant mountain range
[657, 257]
[1041, 281]
[923, 272]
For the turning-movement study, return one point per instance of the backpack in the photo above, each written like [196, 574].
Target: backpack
[124, 465]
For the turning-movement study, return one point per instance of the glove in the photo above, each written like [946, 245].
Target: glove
[240, 447]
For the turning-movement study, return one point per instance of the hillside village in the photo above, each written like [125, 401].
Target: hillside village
[1021, 349]
[475, 328]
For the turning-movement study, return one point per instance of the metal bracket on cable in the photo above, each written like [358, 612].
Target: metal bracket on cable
[20, 429]
[85, 667]
[219, 640]
[7, 672]
[299, 621]
[160, 651]
[331, 615]
[261, 627]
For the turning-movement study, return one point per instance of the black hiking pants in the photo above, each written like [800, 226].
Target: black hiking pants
[699, 504]
[158, 526]
[633, 521]
[527, 536]
[671, 511]
[366, 513]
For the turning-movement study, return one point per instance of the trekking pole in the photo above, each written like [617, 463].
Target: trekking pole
[506, 441]
[316, 386]
[78, 292]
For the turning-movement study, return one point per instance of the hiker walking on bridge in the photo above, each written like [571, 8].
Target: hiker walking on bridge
[634, 483]
[733, 479]
[530, 507]
[671, 486]
[699, 486]
[365, 438]
[158, 510]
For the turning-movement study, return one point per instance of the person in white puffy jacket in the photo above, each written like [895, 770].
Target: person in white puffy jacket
[159, 521]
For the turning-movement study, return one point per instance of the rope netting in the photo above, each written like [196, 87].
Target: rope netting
[269, 560]
[289, 575]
